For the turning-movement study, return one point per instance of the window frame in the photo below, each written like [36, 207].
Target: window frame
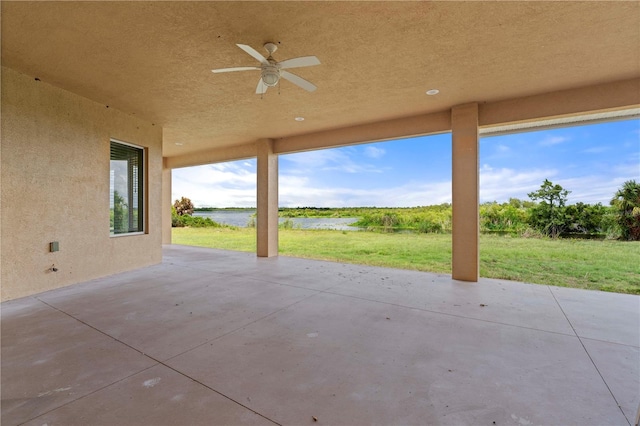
[142, 189]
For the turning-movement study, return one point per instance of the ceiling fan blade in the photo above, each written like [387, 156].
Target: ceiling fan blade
[253, 52]
[234, 69]
[298, 81]
[261, 88]
[305, 61]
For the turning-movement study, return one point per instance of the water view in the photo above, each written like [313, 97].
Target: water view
[242, 218]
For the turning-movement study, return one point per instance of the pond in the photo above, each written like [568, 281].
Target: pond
[241, 218]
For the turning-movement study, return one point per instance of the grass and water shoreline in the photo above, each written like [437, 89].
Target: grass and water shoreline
[606, 265]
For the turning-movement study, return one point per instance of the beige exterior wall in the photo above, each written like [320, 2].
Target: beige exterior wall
[167, 203]
[55, 187]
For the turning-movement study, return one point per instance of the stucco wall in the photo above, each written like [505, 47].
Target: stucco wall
[55, 187]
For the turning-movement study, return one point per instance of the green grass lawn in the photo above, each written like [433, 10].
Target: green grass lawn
[599, 265]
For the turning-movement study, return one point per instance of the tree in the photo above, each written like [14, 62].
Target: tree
[120, 214]
[183, 206]
[626, 202]
[548, 215]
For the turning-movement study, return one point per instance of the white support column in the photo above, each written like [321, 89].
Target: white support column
[166, 203]
[465, 191]
[267, 221]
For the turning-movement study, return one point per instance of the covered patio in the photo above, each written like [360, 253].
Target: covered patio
[220, 337]
[126, 329]
[88, 84]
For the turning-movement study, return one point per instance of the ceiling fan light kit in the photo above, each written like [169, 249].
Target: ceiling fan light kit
[270, 76]
[271, 71]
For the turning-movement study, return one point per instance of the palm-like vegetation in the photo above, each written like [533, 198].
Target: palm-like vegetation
[627, 203]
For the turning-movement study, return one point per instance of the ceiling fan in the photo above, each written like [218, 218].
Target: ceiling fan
[271, 70]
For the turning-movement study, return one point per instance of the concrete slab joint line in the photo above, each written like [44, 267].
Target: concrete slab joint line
[283, 340]
[589, 355]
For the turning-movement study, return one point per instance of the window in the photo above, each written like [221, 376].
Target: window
[126, 188]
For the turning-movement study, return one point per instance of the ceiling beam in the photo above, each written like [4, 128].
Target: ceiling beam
[607, 97]
[217, 155]
[425, 124]
[563, 103]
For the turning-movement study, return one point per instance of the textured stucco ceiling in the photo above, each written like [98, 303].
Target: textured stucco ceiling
[154, 59]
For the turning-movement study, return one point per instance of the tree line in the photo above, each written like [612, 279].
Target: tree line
[544, 214]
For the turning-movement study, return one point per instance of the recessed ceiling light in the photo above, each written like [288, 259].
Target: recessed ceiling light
[299, 118]
[432, 92]
[179, 143]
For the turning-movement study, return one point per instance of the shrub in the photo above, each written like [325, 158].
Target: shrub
[428, 227]
[585, 218]
[506, 217]
[175, 219]
[287, 224]
[178, 221]
[532, 233]
[196, 222]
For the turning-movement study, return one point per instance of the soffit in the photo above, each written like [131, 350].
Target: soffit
[154, 59]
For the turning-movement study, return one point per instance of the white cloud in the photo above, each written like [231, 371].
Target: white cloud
[294, 192]
[374, 152]
[328, 160]
[500, 152]
[628, 171]
[217, 185]
[597, 149]
[504, 183]
[314, 159]
[591, 189]
[553, 140]
[234, 185]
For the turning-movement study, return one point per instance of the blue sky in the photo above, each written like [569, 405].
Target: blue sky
[592, 161]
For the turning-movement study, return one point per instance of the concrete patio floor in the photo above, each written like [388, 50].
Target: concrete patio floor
[212, 337]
